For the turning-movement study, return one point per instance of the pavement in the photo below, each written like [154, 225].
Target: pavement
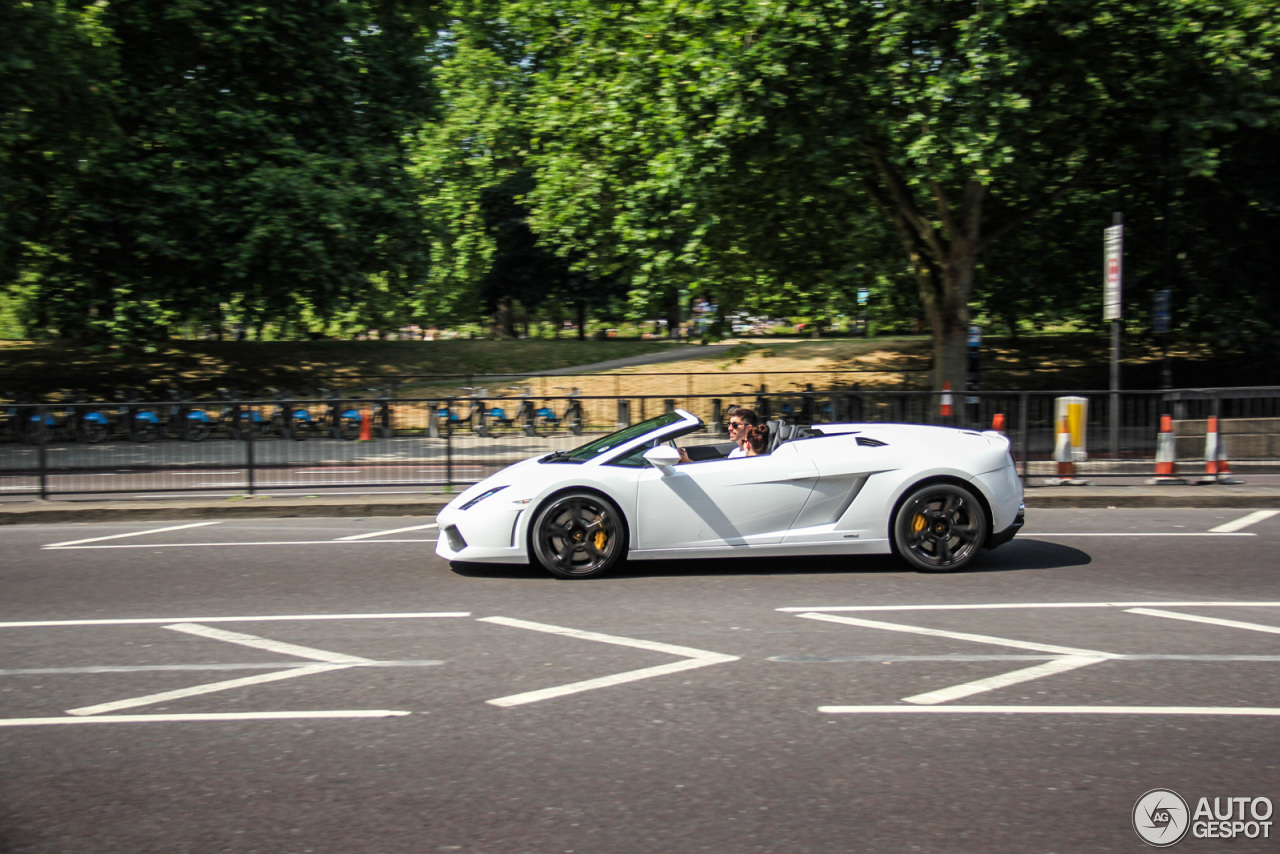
[62, 511]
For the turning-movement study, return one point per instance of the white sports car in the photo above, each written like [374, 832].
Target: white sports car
[934, 496]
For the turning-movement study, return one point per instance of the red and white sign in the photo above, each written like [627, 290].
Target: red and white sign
[1113, 242]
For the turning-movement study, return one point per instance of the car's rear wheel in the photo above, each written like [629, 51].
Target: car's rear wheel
[939, 527]
[579, 535]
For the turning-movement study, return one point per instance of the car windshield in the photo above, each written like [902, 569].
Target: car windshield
[595, 448]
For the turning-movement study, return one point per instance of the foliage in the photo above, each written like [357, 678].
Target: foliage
[247, 156]
[367, 163]
[738, 147]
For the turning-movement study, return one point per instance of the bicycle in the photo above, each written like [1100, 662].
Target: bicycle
[340, 419]
[184, 422]
[573, 412]
[478, 416]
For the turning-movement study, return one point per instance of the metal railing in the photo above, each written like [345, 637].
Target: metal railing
[436, 444]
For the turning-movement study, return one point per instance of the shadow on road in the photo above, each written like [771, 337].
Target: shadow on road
[1018, 556]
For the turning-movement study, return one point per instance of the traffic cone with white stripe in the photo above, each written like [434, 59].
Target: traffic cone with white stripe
[1064, 457]
[1166, 456]
[366, 426]
[947, 410]
[1216, 467]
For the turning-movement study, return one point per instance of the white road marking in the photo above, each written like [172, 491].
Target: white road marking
[1244, 521]
[332, 661]
[132, 534]
[1259, 711]
[228, 545]
[212, 687]
[695, 658]
[216, 716]
[384, 533]
[266, 643]
[245, 618]
[920, 630]
[968, 689]
[996, 606]
[248, 665]
[1212, 621]
[1213, 533]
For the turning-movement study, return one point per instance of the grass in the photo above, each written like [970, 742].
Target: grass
[1064, 361]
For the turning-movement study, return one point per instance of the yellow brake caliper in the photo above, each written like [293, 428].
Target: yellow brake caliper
[918, 523]
[600, 538]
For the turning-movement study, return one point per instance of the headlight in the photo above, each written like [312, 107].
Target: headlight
[481, 497]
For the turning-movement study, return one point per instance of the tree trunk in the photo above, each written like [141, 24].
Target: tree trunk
[943, 252]
[505, 322]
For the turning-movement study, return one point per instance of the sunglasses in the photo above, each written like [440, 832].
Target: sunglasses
[735, 424]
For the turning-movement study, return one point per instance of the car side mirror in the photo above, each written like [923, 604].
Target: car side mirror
[664, 457]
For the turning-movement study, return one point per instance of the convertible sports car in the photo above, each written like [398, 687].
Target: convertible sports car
[934, 496]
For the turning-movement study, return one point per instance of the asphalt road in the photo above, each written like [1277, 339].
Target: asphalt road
[328, 685]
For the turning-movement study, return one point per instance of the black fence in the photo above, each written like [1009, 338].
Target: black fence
[381, 443]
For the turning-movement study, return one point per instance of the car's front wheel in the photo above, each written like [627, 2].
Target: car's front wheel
[939, 527]
[579, 535]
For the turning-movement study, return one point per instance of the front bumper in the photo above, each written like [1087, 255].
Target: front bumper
[481, 537]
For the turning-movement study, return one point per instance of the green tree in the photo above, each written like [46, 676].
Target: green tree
[688, 142]
[472, 158]
[253, 158]
[52, 113]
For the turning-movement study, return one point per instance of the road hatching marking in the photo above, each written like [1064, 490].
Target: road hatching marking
[243, 618]
[210, 716]
[331, 661]
[1259, 711]
[70, 543]
[1211, 621]
[1067, 659]
[694, 658]
[1244, 521]
[384, 533]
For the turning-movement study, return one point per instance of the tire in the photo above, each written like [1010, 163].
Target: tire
[579, 535]
[198, 431]
[349, 429]
[939, 527]
[144, 431]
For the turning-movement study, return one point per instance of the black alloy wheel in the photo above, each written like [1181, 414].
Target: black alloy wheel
[579, 535]
[939, 527]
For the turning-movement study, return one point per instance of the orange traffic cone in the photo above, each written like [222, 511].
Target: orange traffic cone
[1064, 457]
[997, 422]
[947, 409]
[1216, 467]
[1166, 456]
[366, 426]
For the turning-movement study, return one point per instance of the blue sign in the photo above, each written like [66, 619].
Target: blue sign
[1160, 312]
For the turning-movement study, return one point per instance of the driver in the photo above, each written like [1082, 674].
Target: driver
[740, 419]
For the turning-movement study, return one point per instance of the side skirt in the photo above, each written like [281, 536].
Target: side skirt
[839, 547]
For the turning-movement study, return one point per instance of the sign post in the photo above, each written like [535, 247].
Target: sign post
[1160, 311]
[1113, 257]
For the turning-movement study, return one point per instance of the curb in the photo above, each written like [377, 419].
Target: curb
[63, 512]
[41, 512]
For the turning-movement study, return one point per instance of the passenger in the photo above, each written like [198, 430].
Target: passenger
[757, 443]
